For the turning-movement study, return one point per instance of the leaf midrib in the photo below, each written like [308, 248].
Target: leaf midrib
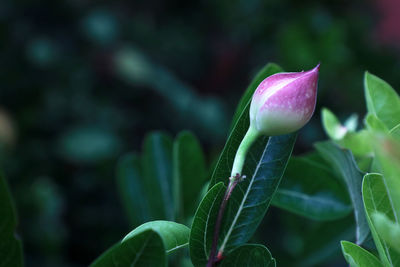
[176, 248]
[206, 227]
[242, 204]
[375, 206]
[138, 255]
[305, 196]
[371, 196]
[390, 200]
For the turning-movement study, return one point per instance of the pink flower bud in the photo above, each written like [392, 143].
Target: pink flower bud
[284, 102]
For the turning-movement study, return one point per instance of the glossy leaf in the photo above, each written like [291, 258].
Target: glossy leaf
[251, 198]
[395, 132]
[10, 245]
[249, 255]
[157, 173]
[342, 161]
[358, 142]
[189, 173]
[388, 160]
[147, 245]
[130, 187]
[382, 100]
[267, 70]
[229, 237]
[346, 136]
[356, 256]
[310, 189]
[202, 230]
[388, 230]
[365, 164]
[377, 199]
[332, 126]
[375, 124]
[144, 249]
[173, 235]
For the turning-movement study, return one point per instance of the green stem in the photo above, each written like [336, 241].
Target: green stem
[236, 177]
[244, 146]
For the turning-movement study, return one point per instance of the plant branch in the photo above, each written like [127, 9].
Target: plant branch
[251, 135]
[232, 184]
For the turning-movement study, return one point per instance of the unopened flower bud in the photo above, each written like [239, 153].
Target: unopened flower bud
[284, 102]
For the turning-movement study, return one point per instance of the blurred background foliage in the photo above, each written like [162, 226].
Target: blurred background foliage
[83, 81]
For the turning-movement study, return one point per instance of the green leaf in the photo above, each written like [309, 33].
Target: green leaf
[332, 126]
[157, 172]
[282, 145]
[365, 164]
[388, 230]
[343, 163]
[240, 125]
[358, 142]
[382, 100]
[310, 189]
[10, 245]
[202, 231]
[189, 173]
[375, 124]
[147, 245]
[130, 188]
[356, 256]
[267, 70]
[173, 235]
[395, 132]
[279, 147]
[144, 249]
[313, 250]
[377, 199]
[251, 198]
[250, 255]
[388, 161]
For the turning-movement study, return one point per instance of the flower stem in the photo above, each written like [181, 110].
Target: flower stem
[228, 192]
[235, 178]
[248, 140]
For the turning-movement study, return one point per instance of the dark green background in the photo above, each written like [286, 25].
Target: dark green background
[83, 81]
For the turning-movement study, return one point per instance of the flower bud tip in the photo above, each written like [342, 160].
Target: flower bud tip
[284, 102]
